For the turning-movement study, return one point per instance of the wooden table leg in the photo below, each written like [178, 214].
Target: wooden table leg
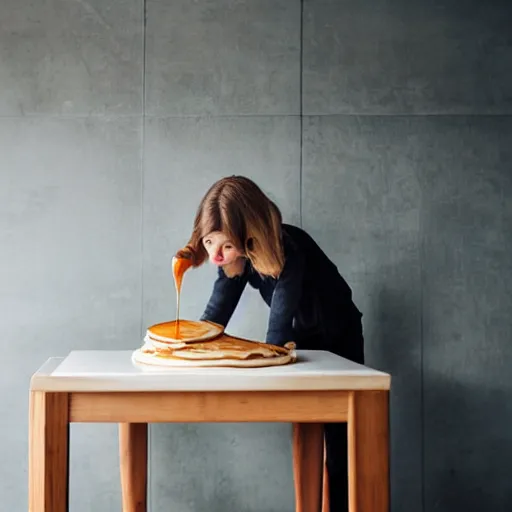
[308, 461]
[133, 453]
[48, 452]
[368, 451]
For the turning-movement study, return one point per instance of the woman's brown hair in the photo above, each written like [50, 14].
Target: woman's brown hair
[238, 207]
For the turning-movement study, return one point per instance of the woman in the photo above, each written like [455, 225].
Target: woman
[240, 230]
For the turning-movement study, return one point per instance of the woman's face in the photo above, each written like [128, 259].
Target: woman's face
[221, 251]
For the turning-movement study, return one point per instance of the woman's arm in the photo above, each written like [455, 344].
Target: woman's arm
[285, 300]
[224, 298]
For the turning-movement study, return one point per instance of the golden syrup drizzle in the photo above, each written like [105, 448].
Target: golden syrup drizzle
[179, 267]
[189, 329]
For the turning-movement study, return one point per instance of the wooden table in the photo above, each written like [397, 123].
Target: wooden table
[105, 386]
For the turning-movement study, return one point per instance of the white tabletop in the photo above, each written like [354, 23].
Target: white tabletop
[107, 370]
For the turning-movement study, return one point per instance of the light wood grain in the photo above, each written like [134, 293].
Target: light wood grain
[133, 455]
[308, 460]
[48, 452]
[258, 406]
[368, 447]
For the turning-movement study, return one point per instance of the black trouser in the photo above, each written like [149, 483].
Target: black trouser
[337, 465]
[335, 434]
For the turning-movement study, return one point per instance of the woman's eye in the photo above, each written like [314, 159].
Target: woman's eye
[207, 242]
[228, 247]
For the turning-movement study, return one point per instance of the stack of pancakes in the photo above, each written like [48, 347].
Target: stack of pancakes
[206, 344]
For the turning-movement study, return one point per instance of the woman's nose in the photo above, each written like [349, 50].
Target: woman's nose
[218, 256]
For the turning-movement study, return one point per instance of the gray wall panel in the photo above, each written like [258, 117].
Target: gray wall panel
[70, 262]
[223, 57]
[362, 204]
[220, 467]
[71, 57]
[184, 157]
[467, 304]
[214, 467]
[407, 56]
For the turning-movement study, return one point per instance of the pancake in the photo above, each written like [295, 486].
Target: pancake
[184, 331]
[224, 350]
[155, 360]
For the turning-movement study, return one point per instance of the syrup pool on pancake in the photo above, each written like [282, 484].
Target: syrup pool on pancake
[188, 329]
[179, 267]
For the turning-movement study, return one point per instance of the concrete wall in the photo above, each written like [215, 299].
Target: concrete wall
[382, 126]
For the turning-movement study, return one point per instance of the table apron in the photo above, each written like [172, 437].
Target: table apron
[215, 406]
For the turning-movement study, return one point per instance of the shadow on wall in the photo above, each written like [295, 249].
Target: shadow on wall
[396, 334]
[467, 457]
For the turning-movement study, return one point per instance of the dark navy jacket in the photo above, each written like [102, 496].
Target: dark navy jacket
[310, 303]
